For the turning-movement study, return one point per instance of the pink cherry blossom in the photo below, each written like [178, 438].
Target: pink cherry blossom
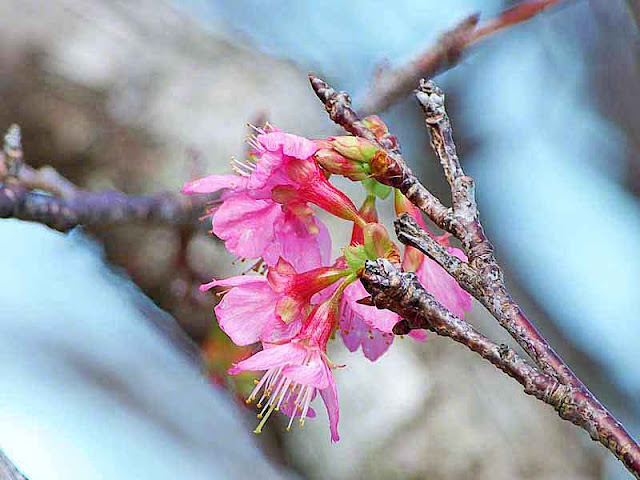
[269, 309]
[442, 285]
[264, 212]
[366, 326]
[247, 312]
[296, 371]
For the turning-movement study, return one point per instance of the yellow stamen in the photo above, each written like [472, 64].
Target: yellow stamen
[264, 420]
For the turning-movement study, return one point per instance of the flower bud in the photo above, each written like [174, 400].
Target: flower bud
[380, 131]
[369, 213]
[380, 164]
[355, 148]
[377, 243]
[376, 125]
[331, 161]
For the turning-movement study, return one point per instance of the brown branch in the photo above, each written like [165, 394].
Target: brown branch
[410, 233]
[389, 85]
[99, 209]
[8, 470]
[491, 289]
[44, 196]
[403, 294]
[488, 284]
[482, 276]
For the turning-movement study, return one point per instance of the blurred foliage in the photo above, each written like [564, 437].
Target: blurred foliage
[220, 353]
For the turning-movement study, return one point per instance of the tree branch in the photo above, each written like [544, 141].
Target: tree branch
[490, 289]
[391, 84]
[8, 470]
[44, 196]
[481, 276]
[403, 294]
[99, 209]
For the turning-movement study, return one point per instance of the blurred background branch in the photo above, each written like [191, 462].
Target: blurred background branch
[44, 196]
[8, 470]
[392, 84]
[634, 6]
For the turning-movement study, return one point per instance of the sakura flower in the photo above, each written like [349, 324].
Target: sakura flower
[269, 309]
[296, 371]
[247, 311]
[264, 210]
[356, 332]
[366, 326]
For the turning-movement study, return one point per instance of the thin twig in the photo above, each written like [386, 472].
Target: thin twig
[99, 209]
[402, 293]
[410, 233]
[389, 85]
[44, 196]
[491, 289]
[489, 286]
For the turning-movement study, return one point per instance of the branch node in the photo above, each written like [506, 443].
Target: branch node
[431, 99]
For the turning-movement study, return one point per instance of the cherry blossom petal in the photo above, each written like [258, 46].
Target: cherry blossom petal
[278, 331]
[383, 320]
[246, 311]
[443, 287]
[304, 250]
[356, 333]
[233, 282]
[275, 356]
[314, 373]
[246, 225]
[289, 408]
[418, 335]
[214, 183]
[330, 398]
[292, 145]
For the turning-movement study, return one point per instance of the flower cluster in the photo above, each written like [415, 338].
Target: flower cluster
[304, 297]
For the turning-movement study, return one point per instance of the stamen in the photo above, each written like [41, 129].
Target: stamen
[256, 267]
[298, 402]
[291, 421]
[263, 421]
[258, 130]
[306, 401]
[264, 410]
[253, 142]
[258, 386]
[285, 389]
[278, 390]
[242, 169]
